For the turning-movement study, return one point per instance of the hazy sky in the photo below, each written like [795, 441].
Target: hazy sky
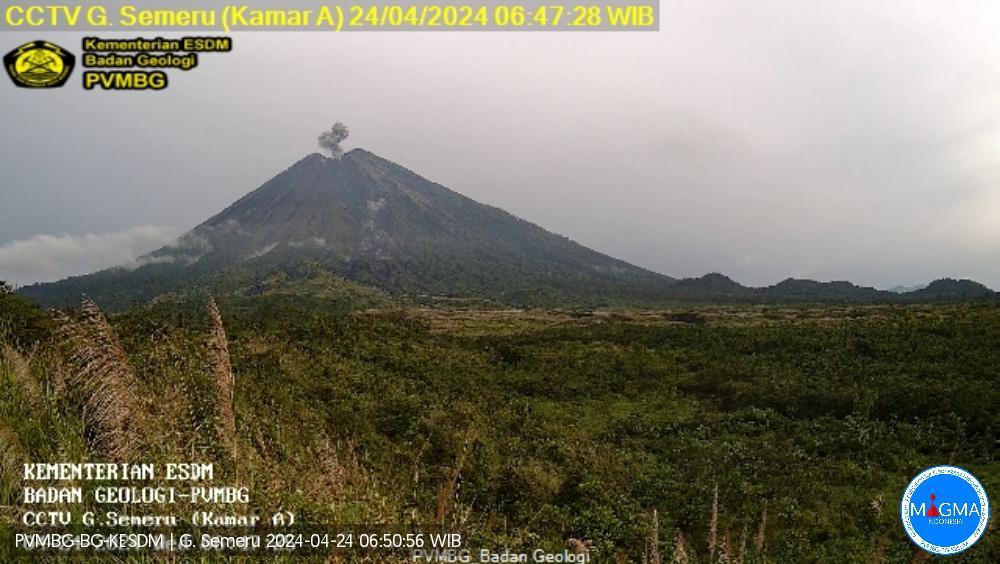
[831, 140]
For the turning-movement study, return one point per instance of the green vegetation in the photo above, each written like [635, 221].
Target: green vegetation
[529, 428]
[20, 320]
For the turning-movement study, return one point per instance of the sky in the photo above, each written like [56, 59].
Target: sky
[842, 140]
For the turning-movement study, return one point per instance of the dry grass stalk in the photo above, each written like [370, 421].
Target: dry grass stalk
[725, 556]
[416, 480]
[449, 488]
[742, 553]
[218, 347]
[340, 470]
[100, 370]
[878, 557]
[680, 550]
[57, 376]
[20, 370]
[921, 556]
[654, 540]
[761, 531]
[713, 523]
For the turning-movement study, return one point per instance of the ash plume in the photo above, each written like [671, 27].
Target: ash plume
[330, 140]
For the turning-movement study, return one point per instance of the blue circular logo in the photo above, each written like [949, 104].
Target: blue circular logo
[945, 510]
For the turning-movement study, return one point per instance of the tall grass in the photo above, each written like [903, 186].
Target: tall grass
[11, 457]
[741, 554]
[218, 348]
[680, 549]
[654, 540]
[449, 490]
[713, 524]
[725, 555]
[20, 373]
[101, 373]
[721, 548]
[758, 543]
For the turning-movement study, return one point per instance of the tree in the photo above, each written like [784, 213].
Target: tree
[20, 319]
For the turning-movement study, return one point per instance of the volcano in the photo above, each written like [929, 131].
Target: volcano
[373, 222]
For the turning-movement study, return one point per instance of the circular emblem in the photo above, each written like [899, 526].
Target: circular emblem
[39, 64]
[945, 510]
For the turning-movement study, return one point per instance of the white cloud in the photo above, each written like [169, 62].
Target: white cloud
[264, 251]
[44, 258]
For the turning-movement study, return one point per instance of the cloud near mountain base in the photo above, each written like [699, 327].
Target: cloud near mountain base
[46, 258]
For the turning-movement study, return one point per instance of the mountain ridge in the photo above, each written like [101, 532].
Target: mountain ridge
[369, 221]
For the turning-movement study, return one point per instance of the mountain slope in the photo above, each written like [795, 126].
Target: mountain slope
[371, 221]
[346, 226]
[712, 285]
[951, 289]
[839, 290]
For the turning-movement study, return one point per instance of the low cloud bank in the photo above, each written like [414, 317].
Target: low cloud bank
[46, 258]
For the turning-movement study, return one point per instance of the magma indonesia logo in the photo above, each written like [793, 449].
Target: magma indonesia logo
[945, 510]
[39, 64]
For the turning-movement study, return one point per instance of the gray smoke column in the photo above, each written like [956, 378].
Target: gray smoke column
[331, 140]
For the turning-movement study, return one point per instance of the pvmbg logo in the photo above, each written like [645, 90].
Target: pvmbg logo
[945, 510]
[39, 64]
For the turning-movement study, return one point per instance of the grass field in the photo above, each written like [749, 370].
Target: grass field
[757, 434]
